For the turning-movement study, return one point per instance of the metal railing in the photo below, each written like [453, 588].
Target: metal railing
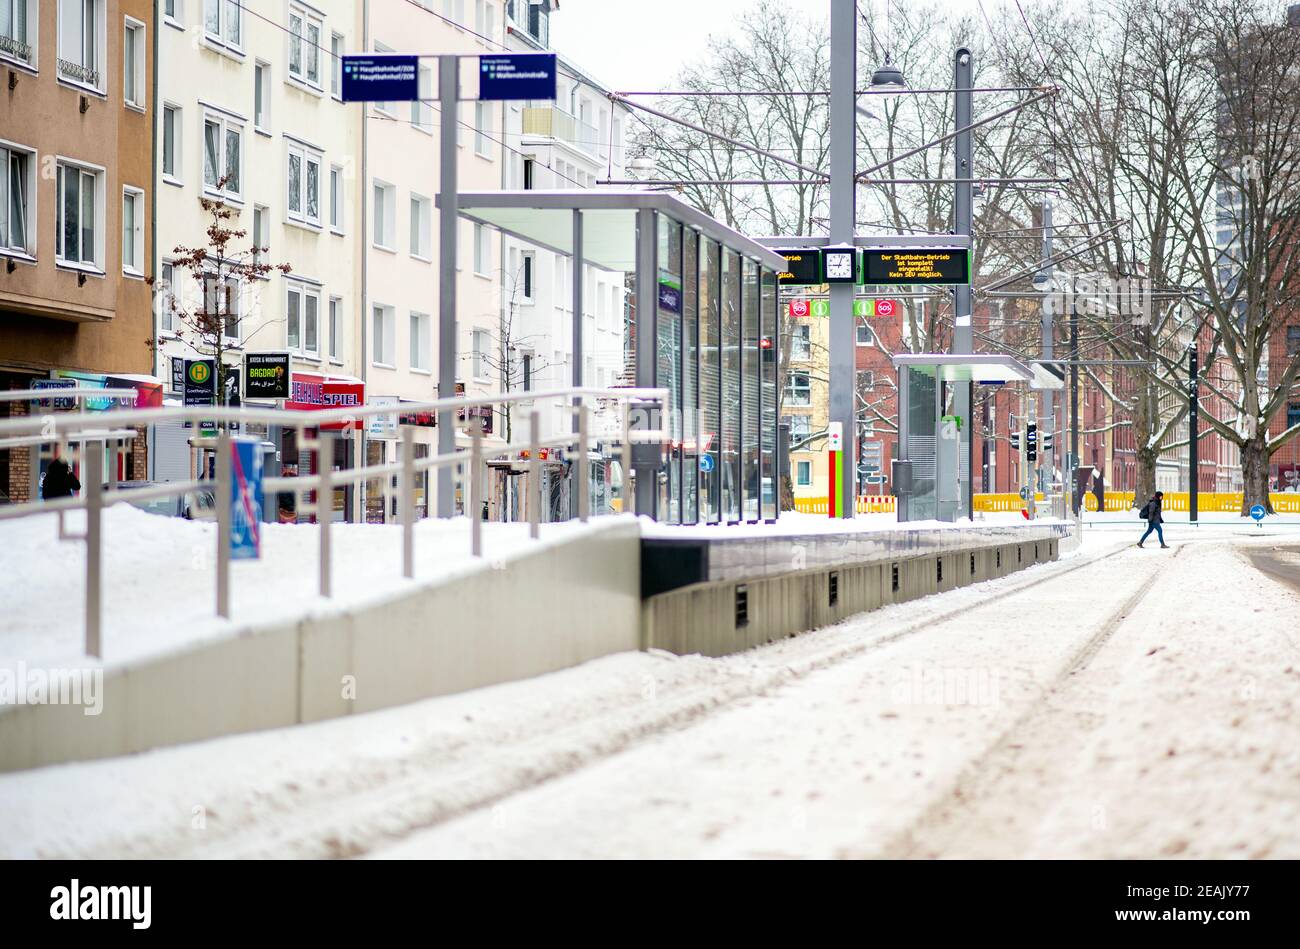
[616, 409]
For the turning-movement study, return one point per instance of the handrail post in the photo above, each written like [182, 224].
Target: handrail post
[584, 488]
[534, 476]
[629, 496]
[476, 486]
[223, 522]
[92, 470]
[408, 502]
[325, 508]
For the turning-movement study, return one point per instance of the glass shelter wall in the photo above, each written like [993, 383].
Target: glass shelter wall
[715, 353]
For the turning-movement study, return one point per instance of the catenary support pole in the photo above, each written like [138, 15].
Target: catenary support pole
[1047, 406]
[963, 339]
[448, 222]
[1075, 494]
[843, 217]
[1194, 425]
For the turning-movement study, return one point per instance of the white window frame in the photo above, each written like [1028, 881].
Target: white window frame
[797, 395]
[482, 127]
[421, 227]
[307, 51]
[480, 343]
[22, 50]
[136, 196]
[237, 298]
[385, 108]
[133, 37]
[229, 33]
[422, 108]
[802, 469]
[307, 156]
[336, 66]
[93, 76]
[258, 237]
[334, 319]
[421, 335]
[869, 332]
[225, 125]
[175, 114]
[7, 247]
[97, 174]
[303, 291]
[388, 319]
[387, 240]
[262, 87]
[336, 199]
[527, 277]
[177, 17]
[482, 251]
[165, 292]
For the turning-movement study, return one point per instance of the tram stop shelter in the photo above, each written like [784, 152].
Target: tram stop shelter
[932, 474]
[699, 319]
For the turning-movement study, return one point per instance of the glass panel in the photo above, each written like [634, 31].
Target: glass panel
[668, 360]
[750, 369]
[128, 231]
[87, 218]
[710, 383]
[313, 52]
[690, 378]
[767, 422]
[313, 190]
[292, 318]
[169, 141]
[128, 64]
[311, 302]
[295, 183]
[211, 152]
[232, 22]
[232, 161]
[922, 504]
[731, 341]
[212, 16]
[295, 44]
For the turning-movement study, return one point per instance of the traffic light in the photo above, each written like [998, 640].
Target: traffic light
[1015, 441]
[1047, 441]
[1031, 442]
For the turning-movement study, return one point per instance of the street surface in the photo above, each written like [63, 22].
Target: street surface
[1118, 703]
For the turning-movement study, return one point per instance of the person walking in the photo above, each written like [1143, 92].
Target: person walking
[1151, 514]
[59, 480]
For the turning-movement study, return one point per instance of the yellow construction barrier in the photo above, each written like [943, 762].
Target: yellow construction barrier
[1225, 502]
[866, 504]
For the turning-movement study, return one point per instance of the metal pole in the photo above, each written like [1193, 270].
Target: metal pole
[476, 486]
[963, 337]
[222, 487]
[1047, 407]
[578, 268]
[843, 217]
[1075, 495]
[584, 501]
[629, 499]
[324, 509]
[408, 502]
[647, 456]
[448, 221]
[534, 475]
[1194, 425]
[91, 471]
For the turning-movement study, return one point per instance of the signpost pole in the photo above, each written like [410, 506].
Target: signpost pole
[449, 213]
[843, 218]
[224, 490]
[1194, 424]
[963, 340]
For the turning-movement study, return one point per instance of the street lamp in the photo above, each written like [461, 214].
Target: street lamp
[888, 78]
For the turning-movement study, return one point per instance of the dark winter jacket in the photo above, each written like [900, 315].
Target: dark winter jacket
[1153, 511]
[59, 481]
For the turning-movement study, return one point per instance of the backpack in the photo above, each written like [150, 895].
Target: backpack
[1145, 513]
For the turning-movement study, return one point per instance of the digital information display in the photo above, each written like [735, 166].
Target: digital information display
[802, 266]
[933, 265]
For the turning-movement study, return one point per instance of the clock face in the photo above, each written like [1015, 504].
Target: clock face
[839, 266]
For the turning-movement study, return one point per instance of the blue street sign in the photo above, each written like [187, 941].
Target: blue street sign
[517, 76]
[245, 498]
[706, 463]
[381, 77]
[1258, 512]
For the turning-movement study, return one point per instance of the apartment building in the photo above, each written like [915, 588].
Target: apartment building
[76, 197]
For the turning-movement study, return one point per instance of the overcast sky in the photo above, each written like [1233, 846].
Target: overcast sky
[632, 45]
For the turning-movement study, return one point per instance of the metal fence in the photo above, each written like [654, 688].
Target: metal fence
[622, 412]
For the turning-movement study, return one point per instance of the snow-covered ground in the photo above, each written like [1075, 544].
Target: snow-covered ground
[1119, 702]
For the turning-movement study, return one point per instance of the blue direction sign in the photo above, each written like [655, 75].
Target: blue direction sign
[706, 463]
[1258, 512]
[381, 77]
[517, 76]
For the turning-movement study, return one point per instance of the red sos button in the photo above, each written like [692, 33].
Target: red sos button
[886, 308]
[798, 308]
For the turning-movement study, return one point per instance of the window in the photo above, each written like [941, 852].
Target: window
[15, 40]
[1292, 414]
[262, 96]
[223, 149]
[305, 31]
[336, 199]
[422, 108]
[801, 342]
[172, 10]
[336, 326]
[527, 266]
[420, 323]
[482, 127]
[304, 184]
[387, 108]
[798, 389]
[221, 22]
[481, 343]
[171, 142]
[81, 49]
[866, 380]
[166, 297]
[800, 426]
[1292, 340]
[221, 304]
[866, 336]
[260, 236]
[16, 182]
[302, 313]
[805, 472]
[336, 65]
[385, 216]
[482, 251]
[79, 234]
[381, 337]
[133, 231]
[530, 174]
[421, 220]
[132, 63]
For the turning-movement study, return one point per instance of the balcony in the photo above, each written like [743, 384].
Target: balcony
[558, 124]
[79, 73]
[15, 48]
